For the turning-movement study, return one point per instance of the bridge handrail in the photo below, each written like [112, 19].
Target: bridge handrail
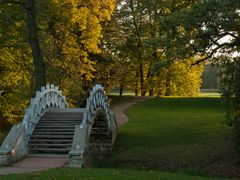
[49, 96]
[97, 99]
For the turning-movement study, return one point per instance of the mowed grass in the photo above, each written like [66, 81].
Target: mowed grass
[182, 136]
[177, 135]
[101, 174]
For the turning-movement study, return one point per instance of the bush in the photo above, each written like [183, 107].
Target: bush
[230, 90]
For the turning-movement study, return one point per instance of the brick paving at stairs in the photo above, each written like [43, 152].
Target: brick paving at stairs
[32, 164]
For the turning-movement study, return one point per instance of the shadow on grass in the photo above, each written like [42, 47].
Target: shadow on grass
[176, 134]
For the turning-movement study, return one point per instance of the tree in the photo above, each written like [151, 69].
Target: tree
[63, 32]
[75, 28]
[230, 90]
[131, 45]
[209, 28]
[39, 66]
[203, 29]
[16, 70]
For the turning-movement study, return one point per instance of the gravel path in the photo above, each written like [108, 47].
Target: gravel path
[33, 164]
[118, 110]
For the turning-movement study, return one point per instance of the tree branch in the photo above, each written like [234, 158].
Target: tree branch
[212, 53]
[233, 35]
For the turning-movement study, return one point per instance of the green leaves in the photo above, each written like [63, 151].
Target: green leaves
[202, 26]
[68, 32]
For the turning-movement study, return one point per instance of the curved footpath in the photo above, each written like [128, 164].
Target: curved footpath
[33, 164]
[118, 110]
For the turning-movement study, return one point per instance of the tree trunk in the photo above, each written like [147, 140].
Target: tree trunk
[143, 90]
[121, 90]
[167, 93]
[151, 92]
[39, 66]
[136, 82]
[149, 75]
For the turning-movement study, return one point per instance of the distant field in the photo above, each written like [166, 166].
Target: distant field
[209, 93]
[177, 135]
[203, 93]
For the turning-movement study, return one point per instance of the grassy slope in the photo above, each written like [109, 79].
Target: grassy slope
[176, 134]
[170, 134]
[101, 174]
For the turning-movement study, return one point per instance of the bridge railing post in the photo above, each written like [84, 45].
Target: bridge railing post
[48, 97]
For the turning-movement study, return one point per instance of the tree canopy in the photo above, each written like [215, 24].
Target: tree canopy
[205, 28]
[47, 41]
[146, 46]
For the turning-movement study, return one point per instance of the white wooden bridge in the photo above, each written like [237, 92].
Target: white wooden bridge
[50, 128]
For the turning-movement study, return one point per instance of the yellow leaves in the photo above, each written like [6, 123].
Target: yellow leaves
[84, 17]
[80, 17]
[69, 31]
[187, 78]
[74, 32]
[14, 84]
[181, 78]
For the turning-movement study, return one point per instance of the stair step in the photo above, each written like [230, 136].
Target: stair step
[48, 145]
[73, 116]
[54, 130]
[51, 140]
[54, 133]
[42, 155]
[63, 112]
[56, 126]
[98, 128]
[52, 136]
[60, 121]
[60, 150]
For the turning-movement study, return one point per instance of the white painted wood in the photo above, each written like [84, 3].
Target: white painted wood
[48, 97]
[97, 100]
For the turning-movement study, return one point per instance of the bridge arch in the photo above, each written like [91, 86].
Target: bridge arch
[43, 129]
[49, 97]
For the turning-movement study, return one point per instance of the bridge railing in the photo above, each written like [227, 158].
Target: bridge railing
[49, 96]
[15, 145]
[96, 100]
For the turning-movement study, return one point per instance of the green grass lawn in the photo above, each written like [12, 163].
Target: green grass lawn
[177, 135]
[166, 138]
[101, 174]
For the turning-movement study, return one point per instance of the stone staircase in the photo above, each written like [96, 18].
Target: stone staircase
[50, 129]
[54, 131]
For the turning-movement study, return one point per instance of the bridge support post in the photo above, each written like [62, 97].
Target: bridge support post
[15, 146]
[79, 145]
